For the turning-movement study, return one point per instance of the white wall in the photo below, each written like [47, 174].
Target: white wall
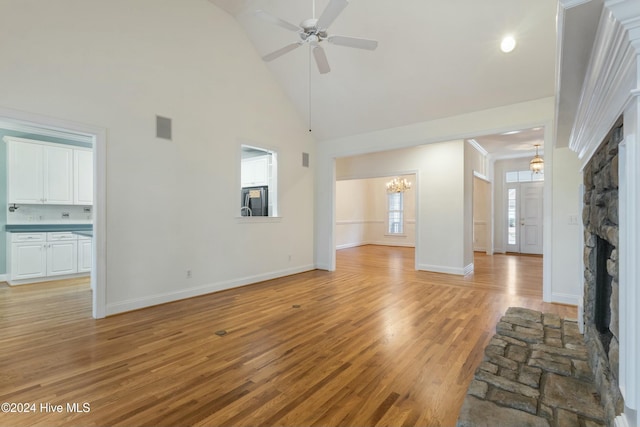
[566, 269]
[170, 205]
[361, 213]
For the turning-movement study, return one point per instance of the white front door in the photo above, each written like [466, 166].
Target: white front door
[524, 217]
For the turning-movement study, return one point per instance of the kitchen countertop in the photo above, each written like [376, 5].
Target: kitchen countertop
[22, 228]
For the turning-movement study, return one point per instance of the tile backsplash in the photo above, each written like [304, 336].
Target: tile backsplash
[50, 214]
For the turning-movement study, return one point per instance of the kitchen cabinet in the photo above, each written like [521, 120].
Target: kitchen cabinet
[85, 254]
[42, 255]
[28, 256]
[255, 171]
[38, 172]
[62, 253]
[82, 177]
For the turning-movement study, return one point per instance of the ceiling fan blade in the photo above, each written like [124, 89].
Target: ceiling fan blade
[288, 48]
[353, 42]
[321, 60]
[277, 21]
[331, 12]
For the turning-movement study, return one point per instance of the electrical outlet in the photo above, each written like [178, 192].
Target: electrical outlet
[188, 274]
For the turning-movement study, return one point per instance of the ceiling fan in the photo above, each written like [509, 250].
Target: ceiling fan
[313, 32]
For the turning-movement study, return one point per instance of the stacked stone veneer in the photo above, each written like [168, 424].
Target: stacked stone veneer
[535, 373]
[600, 219]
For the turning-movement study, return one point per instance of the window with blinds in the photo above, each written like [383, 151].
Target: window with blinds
[395, 213]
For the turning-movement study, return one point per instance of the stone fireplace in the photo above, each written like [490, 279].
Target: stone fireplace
[601, 279]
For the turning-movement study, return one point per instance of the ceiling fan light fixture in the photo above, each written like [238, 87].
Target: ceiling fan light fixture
[508, 44]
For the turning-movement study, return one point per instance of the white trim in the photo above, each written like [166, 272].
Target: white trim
[469, 269]
[358, 221]
[257, 219]
[3, 277]
[45, 279]
[481, 176]
[562, 298]
[23, 126]
[568, 4]
[621, 420]
[350, 245]
[475, 144]
[547, 219]
[580, 278]
[138, 303]
[629, 235]
[447, 270]
[607, 87]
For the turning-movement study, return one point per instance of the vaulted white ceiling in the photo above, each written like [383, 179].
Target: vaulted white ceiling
[434, 59]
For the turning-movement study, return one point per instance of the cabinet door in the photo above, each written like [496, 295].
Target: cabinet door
[25, 173]
[82, 177]
[58, 175]
[255, 171]
[85, 250]
[28, 260]
[62, 258]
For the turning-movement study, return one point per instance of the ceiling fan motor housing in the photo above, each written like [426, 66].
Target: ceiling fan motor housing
[310, 32]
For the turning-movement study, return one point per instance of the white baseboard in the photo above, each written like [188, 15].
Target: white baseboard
[391, 242]
[349, 245]
[444, 269]
[3, 277]
[143, 302]
[468, 269]
[379, 243]
[44, 279]
[560, 298]
[622, 421]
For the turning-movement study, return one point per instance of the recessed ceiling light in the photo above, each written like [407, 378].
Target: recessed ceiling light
[508, 44]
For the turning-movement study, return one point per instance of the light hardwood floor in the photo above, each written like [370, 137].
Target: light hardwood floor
[374, 343]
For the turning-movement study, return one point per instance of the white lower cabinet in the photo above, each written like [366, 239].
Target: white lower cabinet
[85, 252]
[28, 260]
[62, 258]
[41, 255]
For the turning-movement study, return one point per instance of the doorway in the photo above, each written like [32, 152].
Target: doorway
[30, 123]
[525, 217]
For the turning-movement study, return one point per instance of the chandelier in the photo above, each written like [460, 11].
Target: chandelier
[536, 165]
[397, 185]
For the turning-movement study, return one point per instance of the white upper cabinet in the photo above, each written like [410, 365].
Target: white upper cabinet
[255, 171]
[56, 174]
[83, 177]
[25, 168]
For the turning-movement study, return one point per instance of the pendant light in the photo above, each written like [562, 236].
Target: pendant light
[536, 165]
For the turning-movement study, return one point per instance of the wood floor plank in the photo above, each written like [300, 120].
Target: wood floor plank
[373, 343]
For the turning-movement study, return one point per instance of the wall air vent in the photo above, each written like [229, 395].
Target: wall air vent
[163, 127]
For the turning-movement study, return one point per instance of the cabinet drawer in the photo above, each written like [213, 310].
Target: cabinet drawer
[28, 237]
[61, 235]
